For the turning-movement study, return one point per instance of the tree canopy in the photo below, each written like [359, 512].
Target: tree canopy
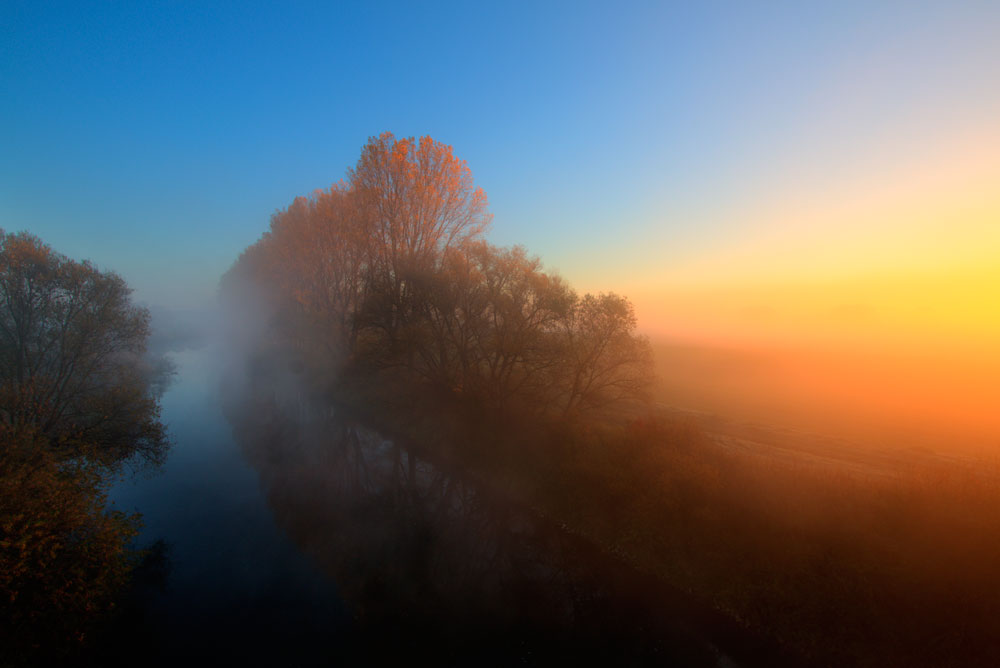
[72, 363]
[389, 270]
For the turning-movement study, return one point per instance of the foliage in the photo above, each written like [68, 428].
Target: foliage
[72, 364]
[78, 399]
[387, 273]
[63, 557]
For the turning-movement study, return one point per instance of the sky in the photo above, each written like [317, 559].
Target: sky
[778, 173]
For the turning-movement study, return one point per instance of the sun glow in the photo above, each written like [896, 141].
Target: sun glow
[884, 295]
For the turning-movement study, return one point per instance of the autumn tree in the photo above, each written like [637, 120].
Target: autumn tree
[72, 363]
[64, 558]
[78, 397]
[315, 255]
[418, 201]
[390, 269]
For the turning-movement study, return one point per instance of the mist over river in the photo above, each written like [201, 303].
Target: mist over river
[290, 536]
[235, 584]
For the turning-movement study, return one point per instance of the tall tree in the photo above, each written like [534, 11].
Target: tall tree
[420, 201]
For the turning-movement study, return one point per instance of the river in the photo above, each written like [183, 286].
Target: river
[235, 585]
[290, 537]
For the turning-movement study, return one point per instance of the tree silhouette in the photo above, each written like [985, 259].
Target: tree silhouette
[72, 366]
[418, 201]
[388, 271]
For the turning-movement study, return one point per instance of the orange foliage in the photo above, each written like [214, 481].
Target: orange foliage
[63, 557]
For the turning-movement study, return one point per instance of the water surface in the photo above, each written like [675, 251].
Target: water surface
[235, 584]
[296, 535]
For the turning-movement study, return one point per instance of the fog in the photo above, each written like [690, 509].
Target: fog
[708, 378]
[941, 400]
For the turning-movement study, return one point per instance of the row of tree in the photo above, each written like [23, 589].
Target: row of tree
[389, 270]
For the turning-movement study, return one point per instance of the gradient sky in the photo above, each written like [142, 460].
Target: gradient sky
[766, 168]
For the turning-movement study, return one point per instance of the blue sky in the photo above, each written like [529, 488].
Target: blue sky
[157, 139]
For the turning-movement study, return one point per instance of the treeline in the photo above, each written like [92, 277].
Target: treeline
[388, 272]
[78, 401]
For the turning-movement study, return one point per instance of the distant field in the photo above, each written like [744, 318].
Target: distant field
[841, 401]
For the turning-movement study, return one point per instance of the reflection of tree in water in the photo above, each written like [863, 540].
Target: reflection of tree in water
[418, 550]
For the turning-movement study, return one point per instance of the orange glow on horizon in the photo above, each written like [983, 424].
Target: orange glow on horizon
[879, 301]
